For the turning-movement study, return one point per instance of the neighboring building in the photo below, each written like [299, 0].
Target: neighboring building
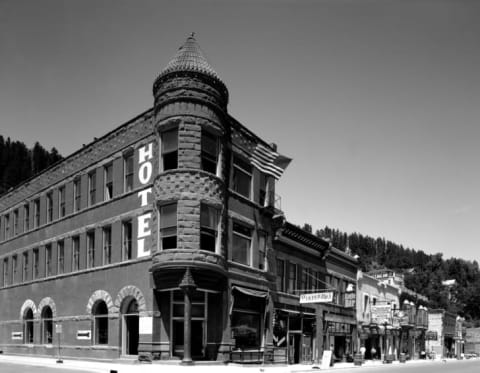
[376, 303]
[155, 239]
[441, 333]
[472, 341]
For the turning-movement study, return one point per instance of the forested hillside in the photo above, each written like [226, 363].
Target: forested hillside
[18, 163]
[423, 272]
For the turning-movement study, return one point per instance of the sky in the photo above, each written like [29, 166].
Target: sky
[376, 101]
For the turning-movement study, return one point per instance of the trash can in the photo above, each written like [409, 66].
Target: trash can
[402, 358]
[357, 359]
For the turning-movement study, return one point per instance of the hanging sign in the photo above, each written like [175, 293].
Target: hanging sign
[324, 297]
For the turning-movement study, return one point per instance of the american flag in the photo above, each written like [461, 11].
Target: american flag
[269, 161]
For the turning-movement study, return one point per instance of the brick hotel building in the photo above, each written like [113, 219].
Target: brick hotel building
[163, 238]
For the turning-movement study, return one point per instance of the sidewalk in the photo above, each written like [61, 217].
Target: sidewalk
[136, 367]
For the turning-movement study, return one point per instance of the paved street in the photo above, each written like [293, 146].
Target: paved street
[12, 364]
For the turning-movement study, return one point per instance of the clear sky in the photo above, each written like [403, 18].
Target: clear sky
[376, 101]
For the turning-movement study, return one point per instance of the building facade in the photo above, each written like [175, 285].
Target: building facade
[155, 239]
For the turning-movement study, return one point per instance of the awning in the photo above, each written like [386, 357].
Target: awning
[251, 292]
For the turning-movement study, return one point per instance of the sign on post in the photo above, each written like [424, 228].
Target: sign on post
[324, 297]
[58, 328]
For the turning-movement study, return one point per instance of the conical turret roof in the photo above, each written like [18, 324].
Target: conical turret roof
[190, 57]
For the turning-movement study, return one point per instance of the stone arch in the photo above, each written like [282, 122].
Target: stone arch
[134, 292]
[46, 302]
[26, 305]
[101, 295]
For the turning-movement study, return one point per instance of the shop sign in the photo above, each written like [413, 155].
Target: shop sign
[145, 156]
[17, 335]
[381, 314]
[431, 336]
[84, 334]
[324, 297]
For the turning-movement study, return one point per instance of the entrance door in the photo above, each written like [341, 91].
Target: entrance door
[130, 330]
[294, 348]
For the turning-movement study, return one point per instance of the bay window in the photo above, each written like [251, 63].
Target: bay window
[170, 149]
[168, 226]
[208, 227]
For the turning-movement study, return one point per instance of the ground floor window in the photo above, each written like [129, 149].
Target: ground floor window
[47, 325]
[28, 326]
[100, 322]
[247, 318]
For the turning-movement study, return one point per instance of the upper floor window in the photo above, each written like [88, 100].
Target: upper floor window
[241, 244]
[208, 227]
[14, 269]
[61, 201]
[36, 258]
[6, 226]
[48, 260]
[127, 232]
[128, 172]
[60, 257]
[262, 250]
[108, 172]
[75, 253]
[168, 226]
[49, 207]
[107, 245]
[5, 272]
[25, 267]
[281, 283]
[77, 194]
[242, 177]
[263, 197]
[91, 249]
[15, 222]
[292, 284]
[170, 149]
[209, 152]
[92, 187]
[26, 217]
[36, 213]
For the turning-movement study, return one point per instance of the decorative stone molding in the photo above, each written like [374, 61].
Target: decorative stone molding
[46, 302]
[26, 305]
[101, 295]
[134, 292]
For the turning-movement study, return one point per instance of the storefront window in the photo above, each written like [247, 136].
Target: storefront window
[246, 321]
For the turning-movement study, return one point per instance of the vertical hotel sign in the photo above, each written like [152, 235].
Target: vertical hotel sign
[145, 172]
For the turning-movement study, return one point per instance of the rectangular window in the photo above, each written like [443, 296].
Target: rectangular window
[60, 257]
[127, 234]
[5, 272]
[14, 269]
[25, 267]
[61, 202]
[208, 227]
[108, 174]
[75, 253]
[209, 152]
[303, 283]
[91, 249]
[292, 284]
[26, 217]
[48, 260]
[92, 187]
[15, 222]
[263, 200]
[36, 213]
[242, 177]
[77, 194]
[241, 244]
[6, 226]
[281, 275]
[107, 245]
[49, 207]
[262, 249]
[170, 149]
[128, 173]
[36, 258]
[168, 226]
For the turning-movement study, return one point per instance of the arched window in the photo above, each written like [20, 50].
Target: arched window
[100, 322]
[47, 325]
[28, 326]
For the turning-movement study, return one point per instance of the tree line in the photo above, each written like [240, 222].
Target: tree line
[19, 163]
[424, 273]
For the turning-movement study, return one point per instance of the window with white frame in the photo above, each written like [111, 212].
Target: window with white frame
[108, 185]
[128, 172]
[127, 243]
[36, 213]
[48, 260]
[60, 257]
[90, 249]
[92, 187]
[77, 194]
[61, 202]
[262, 250]
[36, 259]
[75, 253]
[49, 207]
[242, 177]
[107, 245]
[15, 222]
[26, 217]
[209, 218]
[14, 269]
[241, 243]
